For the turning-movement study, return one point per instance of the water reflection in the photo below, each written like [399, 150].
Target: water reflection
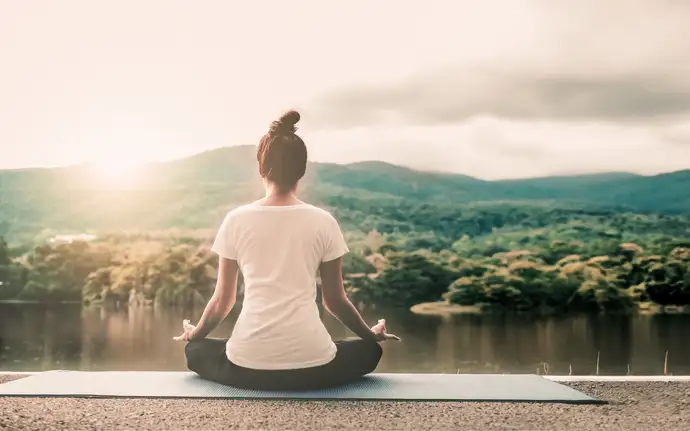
[37, 337]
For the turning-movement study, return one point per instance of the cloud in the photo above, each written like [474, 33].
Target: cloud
[678, 135]
[584, 86]
[614, 61]
[493, 88]
[497, 148]
[456, 95]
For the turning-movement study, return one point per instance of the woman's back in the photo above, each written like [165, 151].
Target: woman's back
[279, 244]
[279, 250]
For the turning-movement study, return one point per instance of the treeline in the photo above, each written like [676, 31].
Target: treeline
[558, 261]
[415, 225]
[523, 281]
[506, 257]
[111, 270]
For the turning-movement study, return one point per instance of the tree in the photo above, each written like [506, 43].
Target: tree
[406, 279]
[12, 274]
[668, 281]
[4, 252]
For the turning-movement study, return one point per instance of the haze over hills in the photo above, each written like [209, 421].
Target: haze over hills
[196, 191]
[238, 164]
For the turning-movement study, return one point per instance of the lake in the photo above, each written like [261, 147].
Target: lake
[35, 337]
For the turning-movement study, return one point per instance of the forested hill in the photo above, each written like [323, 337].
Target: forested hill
[194, 192]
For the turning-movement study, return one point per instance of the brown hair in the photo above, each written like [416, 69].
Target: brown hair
[282, 155]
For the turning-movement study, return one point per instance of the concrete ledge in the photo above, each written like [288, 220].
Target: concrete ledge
[618, 378]
[553, 378]
[17, 373]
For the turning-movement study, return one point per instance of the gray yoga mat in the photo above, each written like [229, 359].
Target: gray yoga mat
[410, 387]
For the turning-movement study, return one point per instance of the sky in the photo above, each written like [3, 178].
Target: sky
[491, 88]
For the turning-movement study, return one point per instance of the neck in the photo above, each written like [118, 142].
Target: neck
[277, 197]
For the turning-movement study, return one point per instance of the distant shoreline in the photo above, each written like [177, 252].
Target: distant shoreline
[438, 308]
[36, 302]
[443, 308]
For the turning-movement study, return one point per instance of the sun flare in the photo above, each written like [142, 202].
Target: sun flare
[117, 173]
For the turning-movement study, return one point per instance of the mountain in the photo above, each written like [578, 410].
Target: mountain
[395, 180]
[668, 192]
[571, 181]
[196, 191]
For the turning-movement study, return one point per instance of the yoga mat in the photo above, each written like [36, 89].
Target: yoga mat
[379, 386]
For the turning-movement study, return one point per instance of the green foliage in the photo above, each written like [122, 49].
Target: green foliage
[543, 270]
[528, 259]
[112, 271]
[57, 273]
[356, 263]
[667, 280]
[4, 252]
[12, 275]
[517, 281]
[467, 291]
[544, 245]
[405, 279]
[437, 209]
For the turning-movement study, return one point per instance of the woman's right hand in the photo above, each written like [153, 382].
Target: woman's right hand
[187, 332]
[380, 333]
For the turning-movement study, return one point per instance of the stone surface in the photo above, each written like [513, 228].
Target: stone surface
[633, 405]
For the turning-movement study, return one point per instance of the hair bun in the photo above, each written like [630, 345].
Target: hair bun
[290, 118]
[286, 123]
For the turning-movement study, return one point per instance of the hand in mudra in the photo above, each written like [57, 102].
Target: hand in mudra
[380, 333]
[187, 332]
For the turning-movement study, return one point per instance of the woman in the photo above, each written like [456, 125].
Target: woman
[280, 243]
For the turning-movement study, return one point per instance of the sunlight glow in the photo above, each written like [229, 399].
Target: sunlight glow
[117, 173]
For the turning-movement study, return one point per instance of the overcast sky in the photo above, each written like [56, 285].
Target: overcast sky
[493, 89]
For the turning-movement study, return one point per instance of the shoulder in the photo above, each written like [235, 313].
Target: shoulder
[239, 211]
[318, 210]
[306, 211]
[322, 214]
[232, 216]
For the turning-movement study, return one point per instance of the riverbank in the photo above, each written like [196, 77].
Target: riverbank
[34, 302]
[632, 405]
[445, 308]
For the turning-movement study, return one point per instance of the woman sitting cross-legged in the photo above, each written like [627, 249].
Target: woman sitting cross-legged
[279, 244]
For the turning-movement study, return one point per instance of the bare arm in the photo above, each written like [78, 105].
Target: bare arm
[338, 304]
[221, 302]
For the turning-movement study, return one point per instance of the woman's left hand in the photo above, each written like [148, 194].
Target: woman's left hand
[381, 333]
[187, 332]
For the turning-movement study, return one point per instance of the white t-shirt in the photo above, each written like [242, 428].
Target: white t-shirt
[279, 250]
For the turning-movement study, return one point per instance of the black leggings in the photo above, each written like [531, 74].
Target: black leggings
[354, 359]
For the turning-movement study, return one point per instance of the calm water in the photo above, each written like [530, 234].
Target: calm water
[36, 337]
